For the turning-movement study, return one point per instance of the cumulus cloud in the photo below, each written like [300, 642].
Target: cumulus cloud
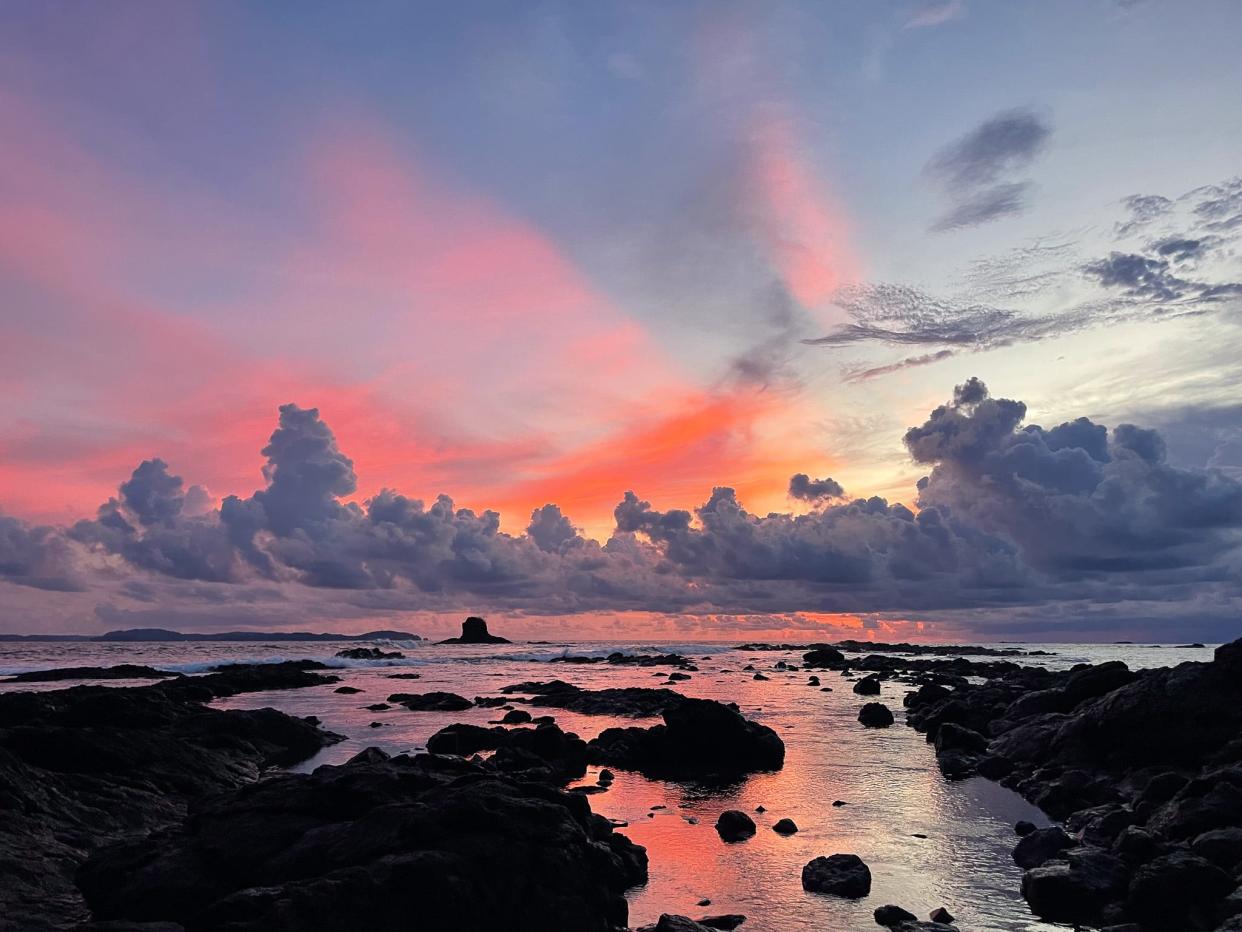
[1009, 514]
[976, 170]
[803, 487]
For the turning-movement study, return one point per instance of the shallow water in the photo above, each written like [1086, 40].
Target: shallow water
[887, 777]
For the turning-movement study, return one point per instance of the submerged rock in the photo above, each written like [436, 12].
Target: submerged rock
[474, 631]
[123, 671]
[868, 686]
[890, 915]
[369, 653]
[785, 827]
[839, 874]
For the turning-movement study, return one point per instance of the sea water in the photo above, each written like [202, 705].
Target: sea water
[929, 842]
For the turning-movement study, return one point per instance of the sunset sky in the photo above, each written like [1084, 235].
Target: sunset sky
[536, 254]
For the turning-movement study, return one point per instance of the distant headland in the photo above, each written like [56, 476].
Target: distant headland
[163, 634]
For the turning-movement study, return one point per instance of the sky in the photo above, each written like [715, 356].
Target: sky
[623, 319]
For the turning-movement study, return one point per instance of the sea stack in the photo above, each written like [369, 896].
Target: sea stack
[474, 631]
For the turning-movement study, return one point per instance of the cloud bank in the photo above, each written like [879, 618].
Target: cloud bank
[1009, 516]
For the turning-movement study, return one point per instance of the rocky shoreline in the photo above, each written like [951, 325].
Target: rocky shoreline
[142, 809]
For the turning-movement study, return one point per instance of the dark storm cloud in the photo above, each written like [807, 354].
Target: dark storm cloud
[1075, 499]
[803, 487]
[1009, 515]
[549, 529]
[976, 170]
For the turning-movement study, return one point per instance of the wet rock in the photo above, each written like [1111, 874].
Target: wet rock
[678, 677]
[123, 671]
[735, 825]
[347, 690]
[1041, 845]
[875, 715]
[431, 702]
[785, 827]
[892, 915]
[629, 701]
[812, 681]
[760, 676]
[670, 923]
[404, 676]
[1136, 845]
[378, 707]
[369, 653]
[839, 875]
[1077, 889]
[515, 717]
[474, 631]
[823, 657]
[1022, 828]
[941, 915]
[82, 767]
[868, 686]
[699, 738]
[725, 921]
[332, 850]
[543, 753]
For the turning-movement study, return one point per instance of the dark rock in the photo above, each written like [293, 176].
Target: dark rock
[823, 657]
[725, 921]
[669, 923]
[352, 847]
[1022, 828]
[1136, 845]
[474, 631]
[699, 738]
[1221, 846]
[892, 915]
[941, 915]
[515, 717]
[370, 653]
[1041, 845]
[759, 676]
[544, 753]
[404, 676]
[812, 681]
[431, 702]
[347, 690]
[85, 766]
[378, 707]
[1077, 889]
[953, 737]
[735, 825]
[839, 874]
[628, 701]
[868, 686]
[875, 715]
[123, 671]
[785, 827]
[678, 677]
[1169, 890]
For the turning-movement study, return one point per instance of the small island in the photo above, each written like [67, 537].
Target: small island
[474, 631]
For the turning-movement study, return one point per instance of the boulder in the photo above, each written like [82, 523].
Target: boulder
[735, 825]
[369, 653]
[839, 875]
[823, 657]
[875, 715]
[1077, 889]
[1168, 891]
[941, 915]
[868, 686]
[785, 827]
[892, 915]
[1041, 845]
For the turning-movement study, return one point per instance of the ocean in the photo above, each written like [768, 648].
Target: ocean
[929, 842]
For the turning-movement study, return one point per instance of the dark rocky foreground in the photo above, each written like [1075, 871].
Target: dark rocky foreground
[424, 842]
[1143, 768]
[86, 766]
[142, 810]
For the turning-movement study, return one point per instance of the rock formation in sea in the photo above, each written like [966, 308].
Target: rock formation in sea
[474, 631]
